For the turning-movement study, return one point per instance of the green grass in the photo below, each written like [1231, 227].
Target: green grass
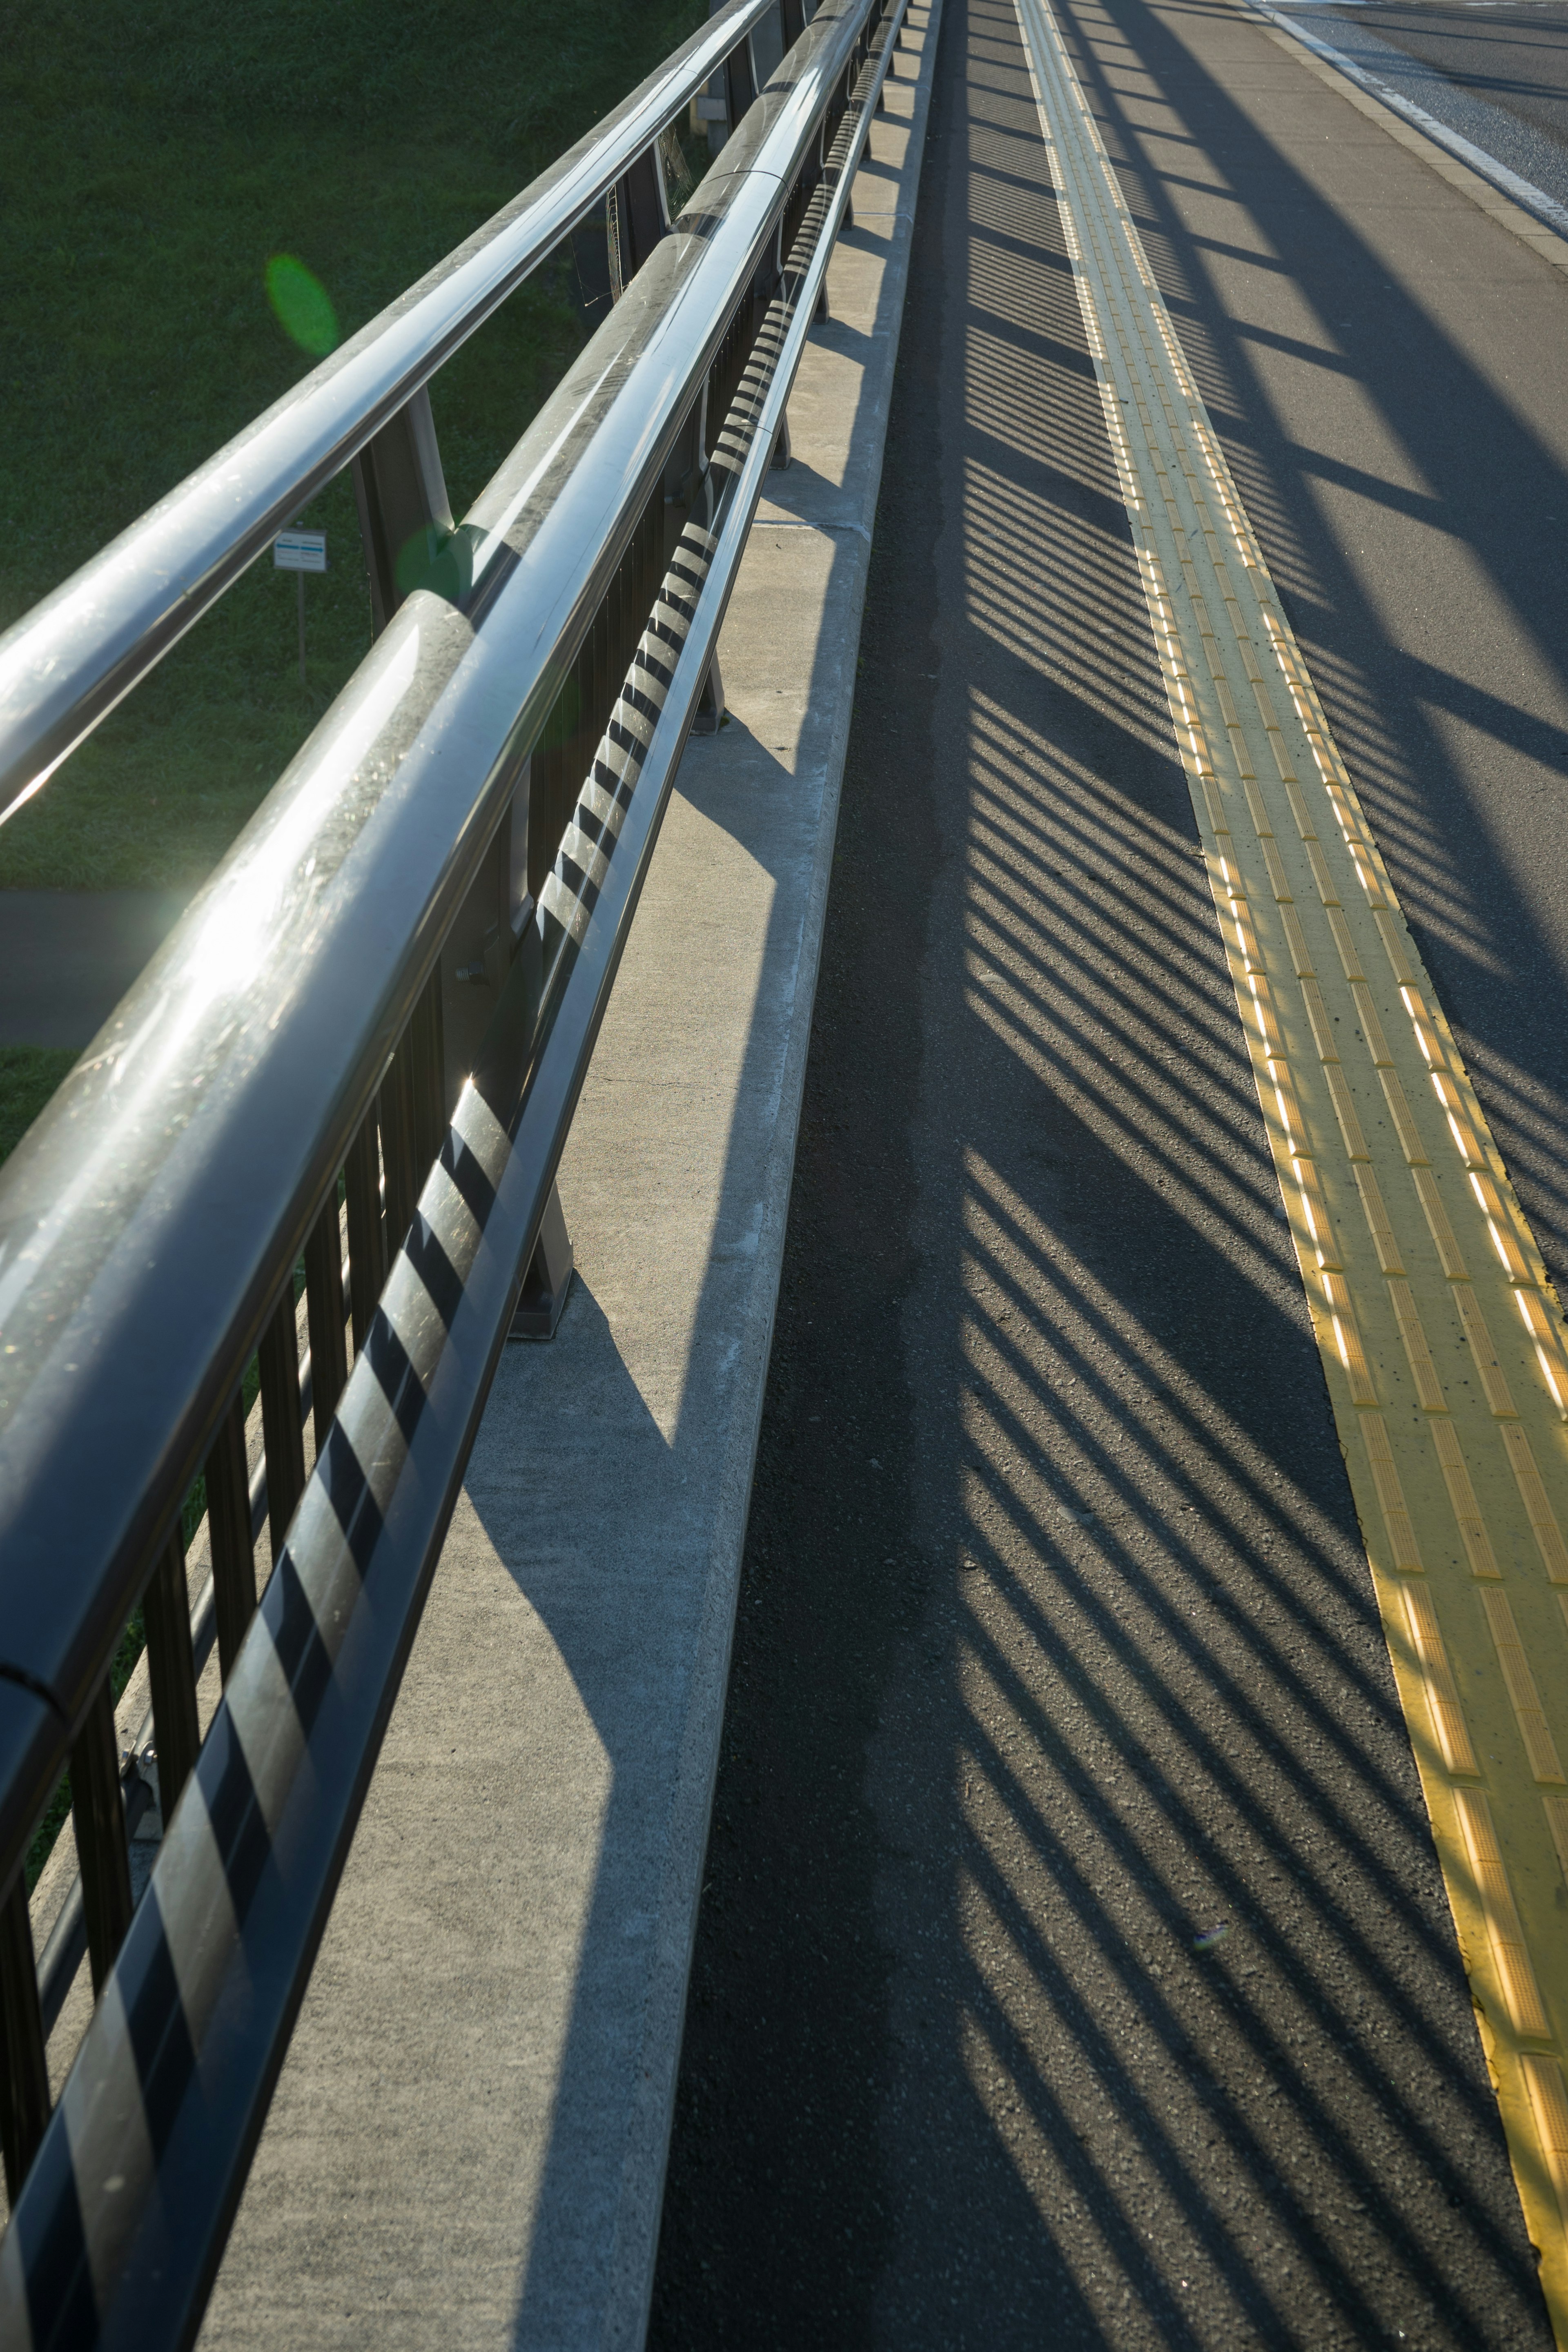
[158, 153]
[28, 1076]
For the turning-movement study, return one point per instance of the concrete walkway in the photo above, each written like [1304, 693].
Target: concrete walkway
[468, 2142]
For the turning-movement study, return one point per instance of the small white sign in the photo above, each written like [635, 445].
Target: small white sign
[300, 550]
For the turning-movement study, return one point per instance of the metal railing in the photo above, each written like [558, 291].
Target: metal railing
[358, 1056]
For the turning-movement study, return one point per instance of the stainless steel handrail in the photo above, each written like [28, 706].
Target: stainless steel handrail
[196, 1141]
[69, 661]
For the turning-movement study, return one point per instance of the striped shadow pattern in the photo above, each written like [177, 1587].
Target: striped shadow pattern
[128, 2201]
[1443, 1345]
[572, 888]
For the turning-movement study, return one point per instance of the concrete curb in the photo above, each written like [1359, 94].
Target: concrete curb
[468, 2143]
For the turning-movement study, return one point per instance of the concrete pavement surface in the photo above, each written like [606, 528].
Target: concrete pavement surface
[1074, 1964]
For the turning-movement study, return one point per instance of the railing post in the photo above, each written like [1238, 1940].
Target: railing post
[636, 219]
[548, 1279]
[98, 1812]
[689, 491]
[837, 109]
[367, 1233]
[278, 1359]
[494, 926]
[404, 512]
[24, 2062]
[171, 1674]
[636, 216]
[739, 87]
[481, 942]
[717, 107]
[228, 1531]
[397, 1144]
[324, 1306]
[427, 1069]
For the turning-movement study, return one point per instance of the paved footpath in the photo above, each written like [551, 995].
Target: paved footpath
[1149, 1643]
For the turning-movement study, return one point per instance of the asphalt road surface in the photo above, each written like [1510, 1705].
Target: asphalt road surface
[1510, 58]
[1498, 74]
[1074, 1968]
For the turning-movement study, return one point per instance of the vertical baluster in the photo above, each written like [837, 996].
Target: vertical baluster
[98, 1815]
[427, 1059]
[228, 1526]
[404, 510]
[740, 89]
[171, 1672]
[397, 1143]
[646, 585]
[324, 1301]
[24, 2066]
[611, 656]
[540, 800]
[636, 218]
[598, 695]
[279, 1356]
[367, 1240]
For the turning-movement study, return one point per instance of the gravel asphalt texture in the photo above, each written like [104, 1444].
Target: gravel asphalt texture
[1498, 76]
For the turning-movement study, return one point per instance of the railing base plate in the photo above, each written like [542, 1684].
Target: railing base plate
[548, 1279]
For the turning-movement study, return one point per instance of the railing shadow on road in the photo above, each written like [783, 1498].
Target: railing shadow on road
[1136, 1969]
[1113, 1611]
[1461, 455]
[1176, 1665]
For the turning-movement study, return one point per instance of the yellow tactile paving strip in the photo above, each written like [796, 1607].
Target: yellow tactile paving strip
[1443, 1344]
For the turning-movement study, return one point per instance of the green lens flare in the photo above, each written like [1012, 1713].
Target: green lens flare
[302, 304]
